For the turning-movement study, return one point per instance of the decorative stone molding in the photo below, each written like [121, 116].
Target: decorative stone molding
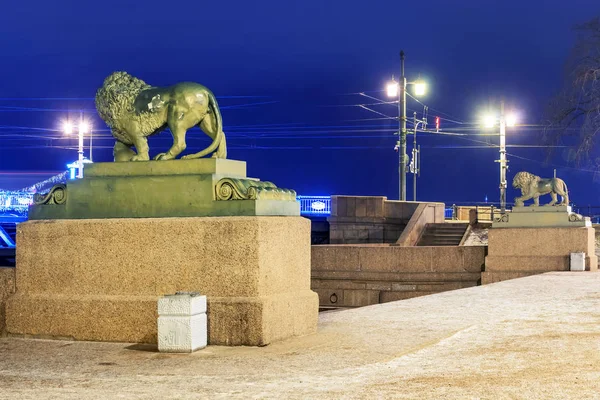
[502, 218]
[541, 217]
[56, 195]
[574, 217]
[249, 189]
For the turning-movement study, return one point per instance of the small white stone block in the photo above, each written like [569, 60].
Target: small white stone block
[182, 304]
[182, 324]
[177, 334]
[577, 261]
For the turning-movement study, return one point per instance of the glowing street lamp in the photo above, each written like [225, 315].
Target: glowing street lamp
[83, 128]
[510, 120]
[489, 121]
[68, 128]
[392, 89]
[420, 88]
[399, 89]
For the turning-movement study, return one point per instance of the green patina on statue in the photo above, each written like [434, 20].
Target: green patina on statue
[532, 187]
[135, 110]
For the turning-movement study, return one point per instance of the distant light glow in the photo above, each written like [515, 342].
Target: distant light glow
[84, 127]
[489, 121]
[511, 120]
[392, 89]
[318, 206]
[420, 88]
[68, 128]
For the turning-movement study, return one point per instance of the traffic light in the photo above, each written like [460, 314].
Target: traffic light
[437, 124]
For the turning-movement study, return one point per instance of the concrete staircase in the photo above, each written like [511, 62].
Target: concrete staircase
[443, 234]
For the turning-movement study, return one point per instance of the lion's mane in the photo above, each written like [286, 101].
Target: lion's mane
[114, 103]
[524, 179]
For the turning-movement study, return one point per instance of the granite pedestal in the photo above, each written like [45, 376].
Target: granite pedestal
[100, 278]
[535, 240]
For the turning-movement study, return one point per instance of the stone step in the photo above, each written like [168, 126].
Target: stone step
[446, 238]
[443, 234]
[444, 229]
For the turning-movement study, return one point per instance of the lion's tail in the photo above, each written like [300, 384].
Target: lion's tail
[214, 108]
[565, 186]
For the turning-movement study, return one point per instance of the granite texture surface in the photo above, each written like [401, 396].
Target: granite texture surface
[101, 279]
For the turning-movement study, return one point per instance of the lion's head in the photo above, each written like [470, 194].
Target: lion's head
[114, 103]
[116, 96]
[523, 179]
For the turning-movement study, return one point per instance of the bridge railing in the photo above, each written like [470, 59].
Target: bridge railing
[315, 205]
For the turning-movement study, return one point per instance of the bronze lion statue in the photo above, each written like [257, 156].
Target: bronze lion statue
[533, 186]
[134, 110]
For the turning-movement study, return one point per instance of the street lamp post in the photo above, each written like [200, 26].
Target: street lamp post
[505, 120]
[399, 89]
[402, 113]
[503, 162]
[82, 128]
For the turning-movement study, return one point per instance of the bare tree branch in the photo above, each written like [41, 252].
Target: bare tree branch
[577, 107]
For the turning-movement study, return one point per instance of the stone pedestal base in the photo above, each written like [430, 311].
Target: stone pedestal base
[206, 187]
[541, 217]
[518, 252]
[100, 280]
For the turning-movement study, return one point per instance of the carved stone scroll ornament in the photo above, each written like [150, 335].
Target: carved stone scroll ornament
[574, 217]
[56, 195]
[502, 218]
[249, 189]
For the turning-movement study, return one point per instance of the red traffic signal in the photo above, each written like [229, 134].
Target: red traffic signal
[437, 124]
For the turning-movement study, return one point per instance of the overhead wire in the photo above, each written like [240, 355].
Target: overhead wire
[280, 131]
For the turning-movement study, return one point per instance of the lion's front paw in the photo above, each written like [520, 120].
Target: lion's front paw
[162, 157]
[188, 157]
[138, 157]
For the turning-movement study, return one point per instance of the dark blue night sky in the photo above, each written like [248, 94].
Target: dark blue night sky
[287, 74]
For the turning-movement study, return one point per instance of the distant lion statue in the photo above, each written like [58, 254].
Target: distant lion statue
[533, 186]
[135, 110]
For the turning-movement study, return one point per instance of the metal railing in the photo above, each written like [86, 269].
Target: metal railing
[315, 205]
[588, 211]
[485, 212]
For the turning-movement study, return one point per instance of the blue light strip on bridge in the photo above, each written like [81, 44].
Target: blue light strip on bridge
[315, 205]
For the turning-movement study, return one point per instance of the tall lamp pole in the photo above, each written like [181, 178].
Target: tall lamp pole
[82, 128]
[503, 162]
[402, 113]
[505, 121]
[399, 89]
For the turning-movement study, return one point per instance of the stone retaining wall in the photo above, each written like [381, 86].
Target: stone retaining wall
[370, 219]
[361, 275]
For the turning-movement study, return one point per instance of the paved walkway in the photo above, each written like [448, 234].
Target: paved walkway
[530, 338]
